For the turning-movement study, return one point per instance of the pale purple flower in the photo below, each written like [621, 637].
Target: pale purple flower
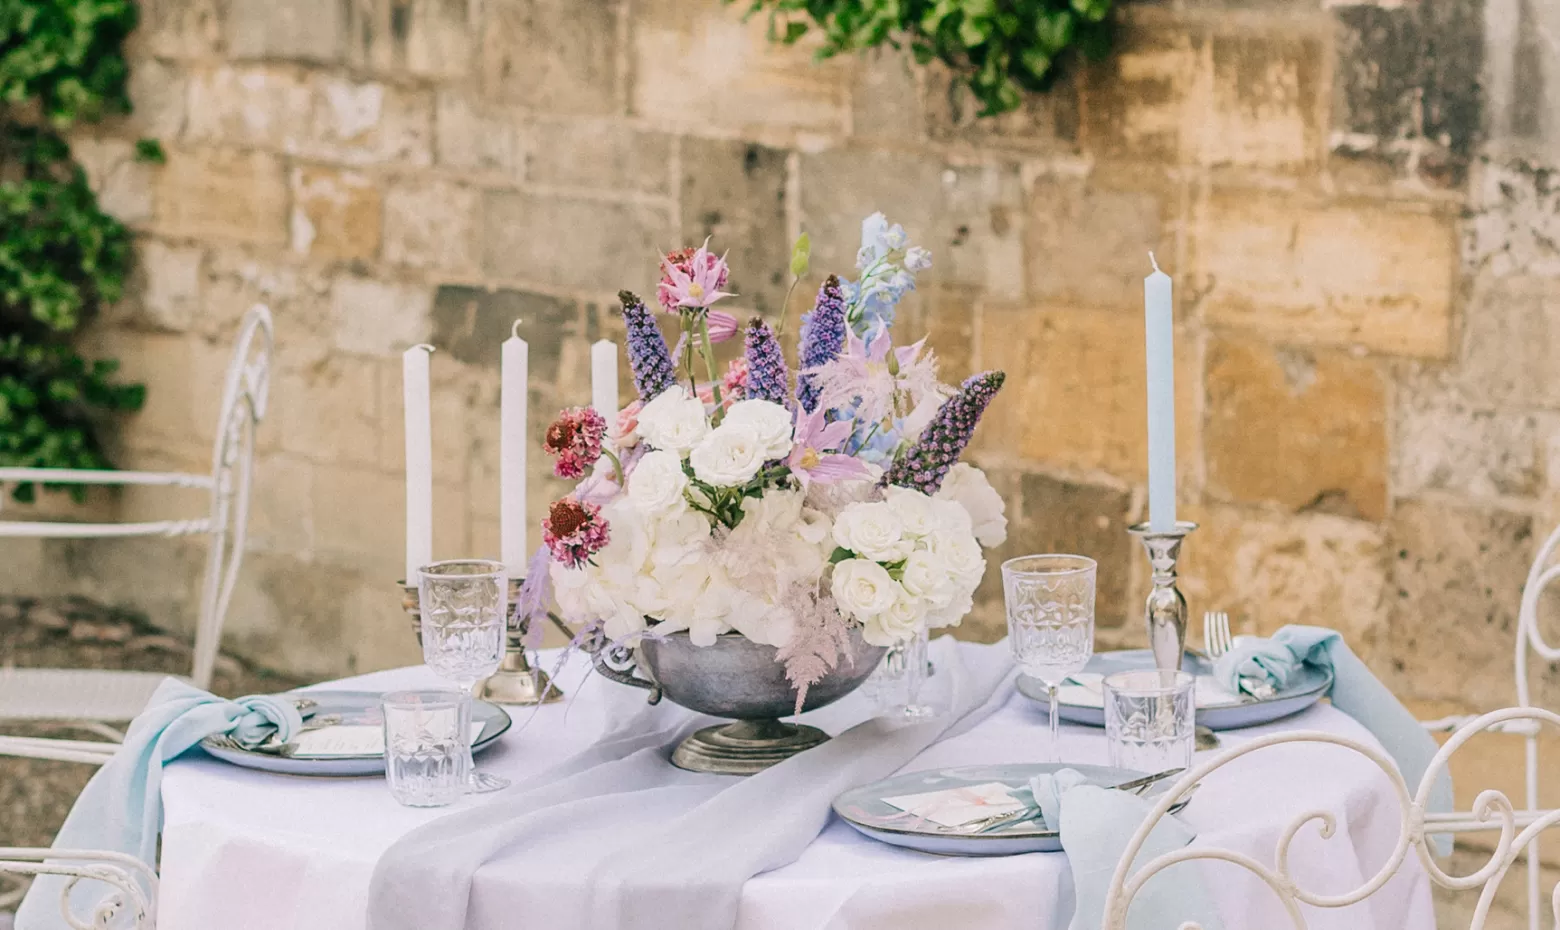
[699, 283]
[812, 458]
[875, 379]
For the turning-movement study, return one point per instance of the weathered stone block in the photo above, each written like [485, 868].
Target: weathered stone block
[471, 322]
[223, 194]
[303, 30]
[1268, 570]
[426, 38]
[320, 116]
[572, 242]
[885, 97]
[1047, 514]
[1268, 102]
[123, 184]
[1087, 239]
[968, 215]
[335, 214]
[159, 91]
[1368, 274]
[432, 224]
[179, 28]
[685, 52]
[474, 135]
[1140, 103]
[170, 284]
[281, 514]
[557, 56]
[331, 412]
[1511, 340]
[734, 194]
[1044, 122]
[1444, 443]
[1514, 222]
[360, 515]
[374, 317]
[1076, 394]
[1457, 578]
[600, 154]
[1405, 72]
[1301, 429]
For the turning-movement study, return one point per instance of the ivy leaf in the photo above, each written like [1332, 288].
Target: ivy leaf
[1054, 31]
[840, 554]
[1092, 10]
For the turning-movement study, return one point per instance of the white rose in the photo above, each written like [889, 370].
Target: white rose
[657, 482]
[769, 420]
[674, 421]
[813, 527]
[926, 578]
[896, 624]
[863, 589]
[958, 553]
[954, 613]
[915, 510]
[729, 456]
[967, 486]
[873, 531]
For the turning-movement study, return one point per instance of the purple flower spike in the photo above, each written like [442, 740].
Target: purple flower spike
[943, 441]
[823, 335]
[647, 354]
[767, 378]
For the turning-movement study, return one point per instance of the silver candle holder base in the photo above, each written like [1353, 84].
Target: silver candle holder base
[1165, 611]
[517, 681]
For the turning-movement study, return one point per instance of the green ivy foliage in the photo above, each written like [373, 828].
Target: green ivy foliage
[1001, 48]
[61, 256]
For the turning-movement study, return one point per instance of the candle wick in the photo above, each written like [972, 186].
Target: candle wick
[1151, 261]
[425, 347]
[514, 330]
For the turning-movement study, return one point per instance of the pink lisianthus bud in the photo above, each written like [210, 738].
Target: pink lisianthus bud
[722, 325]
[625, 433]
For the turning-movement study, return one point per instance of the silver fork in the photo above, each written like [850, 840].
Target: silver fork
[1217, 641]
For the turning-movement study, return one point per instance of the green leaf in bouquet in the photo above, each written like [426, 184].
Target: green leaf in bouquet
[801, 255]
[840, 554]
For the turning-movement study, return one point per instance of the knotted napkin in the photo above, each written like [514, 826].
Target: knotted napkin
[1096, 824]
[1355, 691]
[120, 810]
[618, 837]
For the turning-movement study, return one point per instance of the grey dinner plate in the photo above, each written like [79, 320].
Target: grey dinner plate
[1309, 686]
[355, 707]
[865, 810]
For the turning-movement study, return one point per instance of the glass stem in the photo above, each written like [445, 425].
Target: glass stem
[1056, 724]
[465, 728]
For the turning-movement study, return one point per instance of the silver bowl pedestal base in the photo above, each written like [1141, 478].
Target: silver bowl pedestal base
[745, 747]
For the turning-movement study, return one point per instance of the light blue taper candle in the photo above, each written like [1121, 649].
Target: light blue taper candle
[1159, 318]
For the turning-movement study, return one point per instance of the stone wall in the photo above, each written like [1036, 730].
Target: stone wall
[1363, 245]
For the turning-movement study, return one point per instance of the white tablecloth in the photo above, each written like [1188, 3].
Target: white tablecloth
[245, 850]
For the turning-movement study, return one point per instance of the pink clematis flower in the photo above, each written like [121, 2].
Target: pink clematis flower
[695, 283]
[811, 458]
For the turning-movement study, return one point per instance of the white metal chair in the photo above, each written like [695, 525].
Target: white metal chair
[1519, 830]
[97, 696]
[131, 892]
[1540, 575]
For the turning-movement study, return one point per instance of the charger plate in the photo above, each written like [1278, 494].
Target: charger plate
[1225, 712]
[865, 810]
[354, 707]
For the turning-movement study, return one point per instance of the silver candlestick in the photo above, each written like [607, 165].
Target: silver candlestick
[516, 681]
[1165, 610]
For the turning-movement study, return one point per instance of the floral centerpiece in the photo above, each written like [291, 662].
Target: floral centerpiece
[795, 508]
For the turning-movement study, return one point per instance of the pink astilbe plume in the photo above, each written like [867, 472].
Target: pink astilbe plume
[875, 380]
[821, 636]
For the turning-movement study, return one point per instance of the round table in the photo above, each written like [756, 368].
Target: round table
[246, 850]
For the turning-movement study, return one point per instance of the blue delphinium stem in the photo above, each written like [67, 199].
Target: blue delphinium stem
[647, 353]
[924, 466]
[823, 337]
[767, 377]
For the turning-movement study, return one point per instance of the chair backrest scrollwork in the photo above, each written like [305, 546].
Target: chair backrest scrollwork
[1492, 810]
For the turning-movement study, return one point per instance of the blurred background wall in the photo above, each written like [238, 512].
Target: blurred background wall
[1357, 202]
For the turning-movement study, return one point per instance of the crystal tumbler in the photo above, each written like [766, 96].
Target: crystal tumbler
[426, 762]
[1150, 723]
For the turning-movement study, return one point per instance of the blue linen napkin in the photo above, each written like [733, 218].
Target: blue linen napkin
[1355, 691]
[120, 810]
[1096, 824]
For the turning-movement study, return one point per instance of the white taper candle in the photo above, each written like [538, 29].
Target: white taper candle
[604, 379]
[513, 397]
[1159, 320]
[419, 460]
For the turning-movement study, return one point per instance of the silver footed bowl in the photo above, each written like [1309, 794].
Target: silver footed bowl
[735, 678]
